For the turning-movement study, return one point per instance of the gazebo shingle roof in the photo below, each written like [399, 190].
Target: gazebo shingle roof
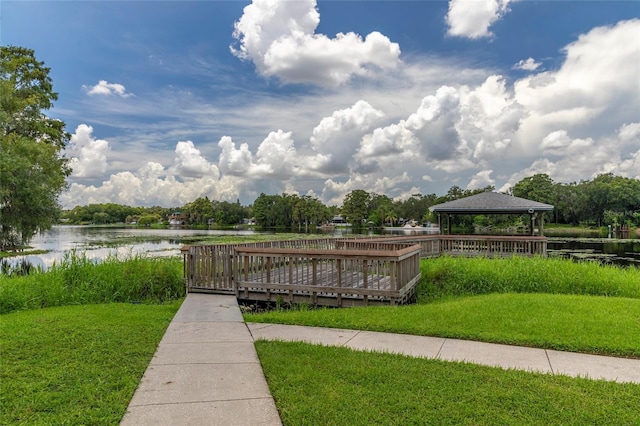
[491, 203]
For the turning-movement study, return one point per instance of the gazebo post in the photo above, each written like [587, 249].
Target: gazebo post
[532, 224]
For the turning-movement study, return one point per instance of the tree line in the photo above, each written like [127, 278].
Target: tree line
[605, 200]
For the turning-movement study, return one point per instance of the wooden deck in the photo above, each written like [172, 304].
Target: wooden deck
[307, 272]
[335, 272]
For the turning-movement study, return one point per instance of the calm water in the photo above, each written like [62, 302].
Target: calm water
[620, 252]
[98, 243]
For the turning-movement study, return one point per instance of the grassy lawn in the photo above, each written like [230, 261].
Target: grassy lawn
[600, 325]
[76, 364]
[316, 385]
[80, 364]
[546, 303]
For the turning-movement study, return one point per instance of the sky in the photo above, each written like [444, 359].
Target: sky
[168, 101]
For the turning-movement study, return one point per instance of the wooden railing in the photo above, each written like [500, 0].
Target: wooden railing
[474, 245]
[210, 267]
[328, 277]
[334, 271]
[492, 246]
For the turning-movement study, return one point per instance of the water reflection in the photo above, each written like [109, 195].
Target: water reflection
[620, 252]
[99, 243]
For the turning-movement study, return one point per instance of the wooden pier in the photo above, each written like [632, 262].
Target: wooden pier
[335, 271]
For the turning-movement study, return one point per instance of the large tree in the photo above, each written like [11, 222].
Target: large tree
[355, 207]
[33, 168]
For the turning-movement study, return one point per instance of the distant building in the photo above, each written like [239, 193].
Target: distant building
[177, 218]
[339, 221]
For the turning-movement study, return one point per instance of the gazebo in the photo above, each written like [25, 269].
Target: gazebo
[493, 203]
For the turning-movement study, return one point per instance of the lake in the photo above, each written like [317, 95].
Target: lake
[100, 242]
[619, 252]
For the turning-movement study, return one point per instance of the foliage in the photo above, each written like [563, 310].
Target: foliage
[355, 207]
[538, 187]
[454, 276]
[605, 200]
[76, 365]
[32, 166]
[226, 213]
[309, 211]
[288, 210]
[110, 213]
[273, 211]
[148, 219]
[79, 280]
[337, 386]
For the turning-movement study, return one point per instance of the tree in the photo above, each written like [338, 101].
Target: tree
[226, 213]
[609, 192]
[32, 167]
[540, 188]
[199, 211]
[355, 207]
[148, 219]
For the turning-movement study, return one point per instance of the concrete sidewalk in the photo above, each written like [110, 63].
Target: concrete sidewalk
[490, 354]
[205, 371]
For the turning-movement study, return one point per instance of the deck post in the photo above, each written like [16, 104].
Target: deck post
[339, 267]
[365, 279]
[393, 272]
[268, 266]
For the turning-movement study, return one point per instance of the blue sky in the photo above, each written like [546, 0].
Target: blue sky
[168, 101]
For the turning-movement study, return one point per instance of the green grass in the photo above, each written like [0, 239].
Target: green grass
[588, 324]
[546, 303]
[455, 276]
[78, 280]
[316, 385]
[76, 365]
[81, 364]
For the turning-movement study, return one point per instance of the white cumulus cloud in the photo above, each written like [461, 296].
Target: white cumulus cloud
[481, 179]
[472, 18]
[595, 90]
[527, 65]
[276, 156]
[189, 162]
[89, 155]
[105, 88]
[630, 132]
[279, 37]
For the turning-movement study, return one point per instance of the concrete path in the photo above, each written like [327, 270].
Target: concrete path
[206, 370]
[491, 354]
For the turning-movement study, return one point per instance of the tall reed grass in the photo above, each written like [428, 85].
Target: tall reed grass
[456, 276]
[78, 280]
